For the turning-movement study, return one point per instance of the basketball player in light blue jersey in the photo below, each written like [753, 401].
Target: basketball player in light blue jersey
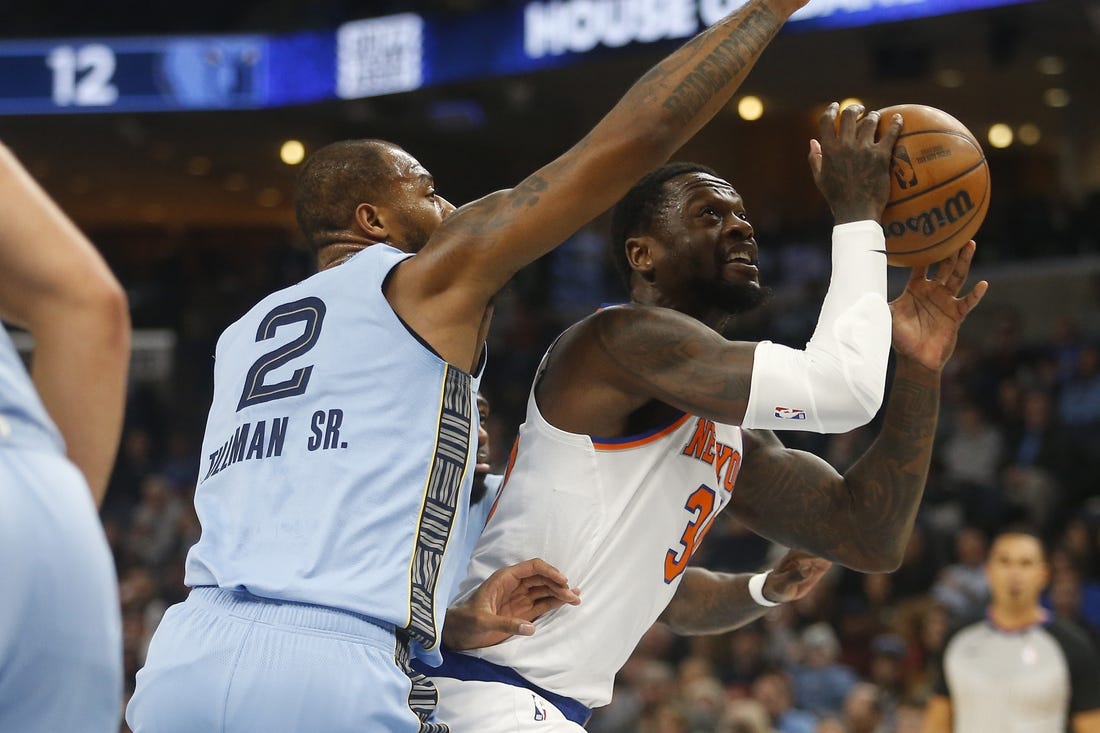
[340, 447]
[60, 631]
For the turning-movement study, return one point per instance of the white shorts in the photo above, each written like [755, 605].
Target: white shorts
[496, 707]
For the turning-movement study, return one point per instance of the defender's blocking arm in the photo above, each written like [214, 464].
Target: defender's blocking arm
[483, 244]
[506, 604]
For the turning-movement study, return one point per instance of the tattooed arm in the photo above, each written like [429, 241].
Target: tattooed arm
[712, 603]
[655, 117]
[863, 519]
[442, 292]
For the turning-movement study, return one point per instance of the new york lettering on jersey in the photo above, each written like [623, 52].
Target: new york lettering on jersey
[703, 503]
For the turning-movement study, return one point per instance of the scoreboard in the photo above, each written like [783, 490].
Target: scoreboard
[164, 74]
[374, 56]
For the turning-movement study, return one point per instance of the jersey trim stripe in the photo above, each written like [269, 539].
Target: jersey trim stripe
[633, 441]
[437, 513]
[423, 696]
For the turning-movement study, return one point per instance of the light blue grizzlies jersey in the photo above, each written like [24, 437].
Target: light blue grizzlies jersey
[338, 457]
[24, 422]
[60, 630]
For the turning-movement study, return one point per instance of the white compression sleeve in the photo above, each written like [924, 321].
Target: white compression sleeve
[837, 383]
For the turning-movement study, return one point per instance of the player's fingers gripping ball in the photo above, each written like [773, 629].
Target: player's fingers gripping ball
[939, 186]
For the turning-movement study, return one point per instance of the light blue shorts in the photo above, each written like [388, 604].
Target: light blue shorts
[236, 663]
[60, 631]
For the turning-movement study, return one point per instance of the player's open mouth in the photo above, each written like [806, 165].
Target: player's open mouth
[741, 255]
[742, 265]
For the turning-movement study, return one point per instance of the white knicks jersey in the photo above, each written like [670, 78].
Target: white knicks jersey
[620, 518]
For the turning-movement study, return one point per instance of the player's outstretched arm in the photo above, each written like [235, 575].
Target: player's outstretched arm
[712, 603]
[55, 284]
[863, 519]
[478, 248]
[656, 116]
[506, 604]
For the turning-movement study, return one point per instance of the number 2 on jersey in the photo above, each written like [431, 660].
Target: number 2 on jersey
[702, 500]
[311, 311]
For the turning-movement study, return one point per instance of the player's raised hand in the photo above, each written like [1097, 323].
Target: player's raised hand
[506, 604]
[794, 576]
[850, 166]
[927, 315]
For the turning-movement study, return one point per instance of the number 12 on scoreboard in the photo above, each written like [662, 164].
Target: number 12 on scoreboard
[82, 75]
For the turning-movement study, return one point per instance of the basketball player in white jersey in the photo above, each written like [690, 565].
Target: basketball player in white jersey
[60, 631]
[644, 422]
[338, 459]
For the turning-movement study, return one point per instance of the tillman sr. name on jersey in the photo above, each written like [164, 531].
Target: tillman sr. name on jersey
[265, 439]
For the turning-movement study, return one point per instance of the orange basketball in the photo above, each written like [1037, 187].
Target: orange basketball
[939, 187]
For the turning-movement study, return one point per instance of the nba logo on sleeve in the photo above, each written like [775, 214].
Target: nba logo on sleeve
[790, 413]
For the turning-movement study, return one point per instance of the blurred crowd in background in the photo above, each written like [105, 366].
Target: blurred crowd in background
[1019, 440]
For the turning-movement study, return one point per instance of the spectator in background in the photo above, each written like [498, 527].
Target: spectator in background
[747, 656]
[1066, 599]
[1081, 541]
[1039, 462]
[704, 699]
[781, 634]
[831, 724]
[962, 588]
[155, 525]
[909, 717]
[135, 461]
[1073, 594]
[1065, 346]
[773, 690]
[863, 710]
[931, 630]
[1035, 442]
[1079, 406]
[971, 459]
[820, 683]
[918, 566]
[888, 671]
[745, 716]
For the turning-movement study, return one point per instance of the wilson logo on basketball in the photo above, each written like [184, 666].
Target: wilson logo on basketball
[928, 222]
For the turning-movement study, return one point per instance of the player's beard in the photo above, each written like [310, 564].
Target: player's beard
[733, 297]
[416, 238]
[414, 233]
